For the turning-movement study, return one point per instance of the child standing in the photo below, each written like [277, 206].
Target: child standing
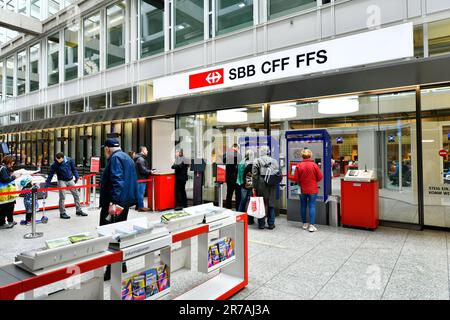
[27, 184]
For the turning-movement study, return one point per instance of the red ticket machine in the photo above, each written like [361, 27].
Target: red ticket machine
[161, 191]
[359, 199]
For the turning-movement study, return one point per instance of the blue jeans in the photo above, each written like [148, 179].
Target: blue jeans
[245, 198]
[270, 218]
[141, 192]
[308, 200]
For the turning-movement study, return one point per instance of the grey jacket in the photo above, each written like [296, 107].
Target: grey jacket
[262, 188]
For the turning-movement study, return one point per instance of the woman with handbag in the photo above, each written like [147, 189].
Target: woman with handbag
[244, 180]
[7, 184]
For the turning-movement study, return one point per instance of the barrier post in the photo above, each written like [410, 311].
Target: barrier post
[94, 196]
[33, 234]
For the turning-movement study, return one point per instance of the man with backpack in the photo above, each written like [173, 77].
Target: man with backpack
[266, 176]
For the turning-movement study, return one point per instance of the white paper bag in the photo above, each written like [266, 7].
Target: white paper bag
[256, 207]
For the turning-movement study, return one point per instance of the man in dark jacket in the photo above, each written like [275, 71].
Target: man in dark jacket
[180, 166]
[142, 171]
[65, 170]
[118, 184]
[118, 187]
[231, 159]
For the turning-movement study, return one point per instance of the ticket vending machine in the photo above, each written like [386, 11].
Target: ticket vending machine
[319, 142]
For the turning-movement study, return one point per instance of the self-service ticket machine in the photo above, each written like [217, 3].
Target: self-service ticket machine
[359, 199]
[319, 142]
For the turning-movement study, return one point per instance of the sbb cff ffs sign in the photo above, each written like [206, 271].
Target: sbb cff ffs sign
[206, 79]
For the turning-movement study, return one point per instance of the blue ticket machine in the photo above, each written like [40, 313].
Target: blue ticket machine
[319, 142]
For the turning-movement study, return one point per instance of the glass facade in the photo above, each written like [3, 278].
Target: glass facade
[53, 59]
[1, 80]
[76, 106]
[152, 27]
[233, 15]
[71, 53]
[439, 37]
[97, 102]
[115, 36]
[21, 72]
[188, 26]
[9, 75]
[91, 50]
[53, 7]
[278, 8]
[34, 67]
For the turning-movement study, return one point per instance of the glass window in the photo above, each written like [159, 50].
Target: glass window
[9, 77]
[22, 7]
[76, 106]
[53, 7]
[233, 15]
[34, 68]
[14, 118]
[439, 37]
[71, 53]
[97, 102]
[152, 27]
[39, 113]
[25, 116]
[1, 80]
[59, 109]
[418, 41]
[35, 6]
[91, 36]
[188, 21]
[121, 98]
[21, 72]
[128, 136]
[53, 59]
[115, 36]
[278, 8]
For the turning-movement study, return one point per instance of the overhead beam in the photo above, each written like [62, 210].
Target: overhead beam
[19, 22]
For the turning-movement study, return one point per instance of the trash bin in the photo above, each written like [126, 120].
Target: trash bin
[334, 210]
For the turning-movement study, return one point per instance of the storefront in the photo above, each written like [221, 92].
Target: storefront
[399, 124]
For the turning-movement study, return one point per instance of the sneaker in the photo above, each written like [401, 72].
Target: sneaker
[261, 227]
[312, 228]
[6, 226]
[11, 224]
[305, 226]
[64, 216]
[82, 214]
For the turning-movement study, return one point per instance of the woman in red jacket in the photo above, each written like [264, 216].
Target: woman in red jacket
[307, 175]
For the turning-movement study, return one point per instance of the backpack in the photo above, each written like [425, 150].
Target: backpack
[271, 173]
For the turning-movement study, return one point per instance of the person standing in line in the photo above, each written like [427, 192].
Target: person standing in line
[263, 189]
[244, 180]
[231, 159]
[143, 172]
[180, 166]
[7, 202]
[132, 154]
[307, 175]
[118, 188]
[65, 170]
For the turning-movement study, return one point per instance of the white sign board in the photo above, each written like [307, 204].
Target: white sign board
[380, 45]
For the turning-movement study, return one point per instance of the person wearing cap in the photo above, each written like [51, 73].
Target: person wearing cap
[65, 170]
[118, 187]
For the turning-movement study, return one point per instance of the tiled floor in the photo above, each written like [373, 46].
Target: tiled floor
[290, 263]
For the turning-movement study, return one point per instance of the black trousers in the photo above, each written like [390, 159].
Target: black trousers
[180, 194]
[7, 212]
[233, 187]
[104, 214]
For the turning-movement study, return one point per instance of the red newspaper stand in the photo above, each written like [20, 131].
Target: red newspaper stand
[161, 191]
[359, 199]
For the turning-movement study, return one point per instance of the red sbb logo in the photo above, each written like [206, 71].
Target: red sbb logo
[206, 79]
[443, 153]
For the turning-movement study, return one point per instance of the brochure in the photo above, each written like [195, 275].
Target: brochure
[56, 243]
[174, 215]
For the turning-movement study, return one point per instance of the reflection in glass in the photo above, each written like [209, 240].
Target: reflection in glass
[439, 37]
[152, 27]
[278, 8]
[9, 77]
[233, 15]
[34, 67]
[53, 59]
[91, 62]
[188, 21]
[71, 53]
[115, 37]
[21, 72]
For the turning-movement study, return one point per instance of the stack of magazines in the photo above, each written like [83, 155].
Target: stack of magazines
[61, 242]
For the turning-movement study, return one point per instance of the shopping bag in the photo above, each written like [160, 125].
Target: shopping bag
[256, 207]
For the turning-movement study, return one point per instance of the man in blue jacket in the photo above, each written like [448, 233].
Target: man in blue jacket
[118, 187]
[65, 170]
[118, 184]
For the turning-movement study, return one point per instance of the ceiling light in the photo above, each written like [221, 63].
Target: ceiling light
[340, 105]
[232, 116]
[241, 5]
[282, 111]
